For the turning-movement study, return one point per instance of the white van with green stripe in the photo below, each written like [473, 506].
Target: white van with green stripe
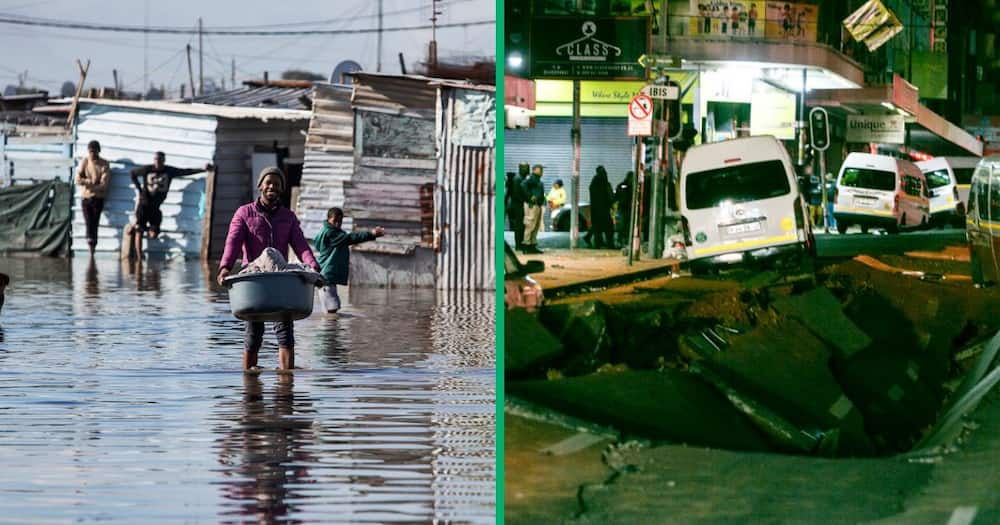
[740, 203]
[880, 191]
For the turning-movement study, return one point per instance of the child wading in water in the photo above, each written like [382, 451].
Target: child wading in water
[332, 244]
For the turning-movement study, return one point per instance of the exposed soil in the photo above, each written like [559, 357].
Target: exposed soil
[843, 360]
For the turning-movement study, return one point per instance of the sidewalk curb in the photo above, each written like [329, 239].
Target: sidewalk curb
[566, 290]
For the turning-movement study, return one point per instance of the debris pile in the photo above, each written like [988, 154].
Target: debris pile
[849, 362]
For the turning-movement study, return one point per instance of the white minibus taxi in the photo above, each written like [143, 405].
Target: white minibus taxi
[982, 223]
[740, 203]
[948, 195]
[880, 191]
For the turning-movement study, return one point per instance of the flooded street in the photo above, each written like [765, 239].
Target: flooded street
[122, 401]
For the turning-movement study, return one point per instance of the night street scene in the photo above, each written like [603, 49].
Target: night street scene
[751, 255]
[247, 262]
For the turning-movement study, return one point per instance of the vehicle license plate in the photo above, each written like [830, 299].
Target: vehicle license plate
[746, 227]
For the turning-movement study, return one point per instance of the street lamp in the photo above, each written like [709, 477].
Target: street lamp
[515, 60]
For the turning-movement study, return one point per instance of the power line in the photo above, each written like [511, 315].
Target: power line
[221, 32]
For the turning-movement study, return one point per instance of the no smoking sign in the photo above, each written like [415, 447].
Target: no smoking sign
[640, 116]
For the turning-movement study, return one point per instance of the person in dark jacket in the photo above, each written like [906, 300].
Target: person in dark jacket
[153, 182]
[334, 255]
[623, 197]
[534, 200]
[514, 200]
[601, 199]
[261, 224]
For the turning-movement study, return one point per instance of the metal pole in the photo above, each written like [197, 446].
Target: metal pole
[190, 71]
[232, 73]
[802, 120]
[822, 185]
[574, 220]
[201, 70]
[145, 52]
[633, 222]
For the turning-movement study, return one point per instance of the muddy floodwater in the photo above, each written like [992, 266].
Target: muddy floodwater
[122, 400]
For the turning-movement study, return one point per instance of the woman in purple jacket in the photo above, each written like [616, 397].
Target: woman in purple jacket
[255, 226]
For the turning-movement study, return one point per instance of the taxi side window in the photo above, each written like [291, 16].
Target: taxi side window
[986, 195]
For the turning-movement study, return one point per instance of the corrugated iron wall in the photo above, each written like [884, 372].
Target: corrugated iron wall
[129, 137]
[329, 157]
[465, 212]
[26, 160]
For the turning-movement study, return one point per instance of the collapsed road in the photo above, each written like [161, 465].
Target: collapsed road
[854, 359]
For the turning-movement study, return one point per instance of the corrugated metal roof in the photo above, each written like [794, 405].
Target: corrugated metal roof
[397, 94]
[203, 109]
[260, 97]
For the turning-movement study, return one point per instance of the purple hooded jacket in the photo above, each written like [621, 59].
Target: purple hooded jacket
[252, 231]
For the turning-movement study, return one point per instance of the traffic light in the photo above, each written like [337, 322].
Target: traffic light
[649, 153]
[819, 129]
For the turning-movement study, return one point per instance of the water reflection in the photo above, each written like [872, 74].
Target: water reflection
[134, 388]
[263, 455]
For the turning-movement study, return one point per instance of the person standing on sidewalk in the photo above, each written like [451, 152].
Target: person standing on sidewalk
[623, 197]
[93, 176]
[601, 199]
[534, 200]
[515, 203]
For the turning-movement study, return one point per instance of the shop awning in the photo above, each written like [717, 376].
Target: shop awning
[927, 131]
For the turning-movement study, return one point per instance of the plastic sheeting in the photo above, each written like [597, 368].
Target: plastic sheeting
[35, 218]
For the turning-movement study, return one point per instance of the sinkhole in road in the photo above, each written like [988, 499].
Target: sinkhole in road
[844, 361]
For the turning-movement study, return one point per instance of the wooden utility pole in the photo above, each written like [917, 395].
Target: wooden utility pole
[201, 70]
[378, 56]
[232, 73]
[190, 72]
[79, 89]
[114, 73]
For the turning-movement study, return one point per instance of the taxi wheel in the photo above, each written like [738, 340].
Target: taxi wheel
[841, 227]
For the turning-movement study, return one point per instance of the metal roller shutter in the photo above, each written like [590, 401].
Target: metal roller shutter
[604, 142]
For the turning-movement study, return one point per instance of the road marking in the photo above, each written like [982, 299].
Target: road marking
[962, 516]
[572, 444]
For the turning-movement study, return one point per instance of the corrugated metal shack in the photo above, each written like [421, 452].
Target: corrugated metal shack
[329, 156]
[238, 140]
[423, 168]
[34, 147]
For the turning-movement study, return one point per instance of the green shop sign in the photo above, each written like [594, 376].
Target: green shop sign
[588, 48]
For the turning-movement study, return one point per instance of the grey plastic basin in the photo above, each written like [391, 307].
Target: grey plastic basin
[272, 296]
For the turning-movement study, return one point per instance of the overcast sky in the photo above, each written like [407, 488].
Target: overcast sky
[49, 54]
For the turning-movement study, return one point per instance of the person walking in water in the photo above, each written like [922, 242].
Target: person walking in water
[333, 245]
[261, 224]
[93, 176]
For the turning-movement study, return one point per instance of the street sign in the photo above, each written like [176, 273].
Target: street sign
[640, 116]
[660, 60]
[819, 129]
[662, 92]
